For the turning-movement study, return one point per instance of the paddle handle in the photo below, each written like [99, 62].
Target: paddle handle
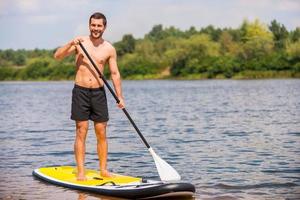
[115, 96]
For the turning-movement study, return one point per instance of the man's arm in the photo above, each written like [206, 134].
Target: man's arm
[116, 77]
[67, 49]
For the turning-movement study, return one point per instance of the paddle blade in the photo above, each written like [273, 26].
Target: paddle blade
[165, 171]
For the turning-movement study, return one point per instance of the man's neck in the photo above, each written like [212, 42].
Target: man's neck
[96, 41]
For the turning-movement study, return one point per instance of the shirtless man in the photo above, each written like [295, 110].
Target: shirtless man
[88, 95]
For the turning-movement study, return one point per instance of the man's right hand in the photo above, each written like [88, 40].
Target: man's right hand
[67, 49]
[121, 104]
[76, 41]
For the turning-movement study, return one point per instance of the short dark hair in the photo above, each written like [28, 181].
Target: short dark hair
[98, 15]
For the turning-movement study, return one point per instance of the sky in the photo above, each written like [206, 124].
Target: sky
[47, 24]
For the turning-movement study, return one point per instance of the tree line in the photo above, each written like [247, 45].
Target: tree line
[253, 50]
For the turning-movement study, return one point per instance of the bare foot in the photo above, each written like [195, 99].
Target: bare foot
[81, 177]
[106, 174]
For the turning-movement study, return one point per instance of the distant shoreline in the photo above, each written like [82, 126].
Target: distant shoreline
[244, 75]
[251, 51]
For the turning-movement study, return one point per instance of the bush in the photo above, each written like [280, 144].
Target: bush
[133, 64]
[178, 67]
[296, 67]
[38, 69]
[8, 73]
[61, 71]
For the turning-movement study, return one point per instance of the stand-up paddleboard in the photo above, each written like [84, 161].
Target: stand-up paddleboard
[117, 186]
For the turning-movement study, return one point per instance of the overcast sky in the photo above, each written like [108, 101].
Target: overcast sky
[47, 24]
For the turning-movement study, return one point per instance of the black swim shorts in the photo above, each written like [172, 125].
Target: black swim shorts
[89, 103]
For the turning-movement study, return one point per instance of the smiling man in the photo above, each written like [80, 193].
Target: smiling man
[88, 95]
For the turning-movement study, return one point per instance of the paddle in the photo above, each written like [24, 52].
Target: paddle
[165, 171]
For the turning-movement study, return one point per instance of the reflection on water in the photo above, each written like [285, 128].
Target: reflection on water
[89, 196]
[85, 196]
[231, 139]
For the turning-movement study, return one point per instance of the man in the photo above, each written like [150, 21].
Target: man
[88, 96]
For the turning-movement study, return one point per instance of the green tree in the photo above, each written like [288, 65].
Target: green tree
[126, 45]
[7, 56]
[212, 31]
[134, 64]
[228, 46]
[37, 69]
[8, 73]
[293, 54]
[156, 33]
[178, 67]
[257, 43]
[61, 70]
[20, 59]
[172, 32]
[188, 54]
[295, 35]
[280, 34]
[256, 29]
[236, 34]
[191, 31]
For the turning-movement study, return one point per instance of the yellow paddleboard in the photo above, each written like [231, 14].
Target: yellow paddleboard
[118, 185]
[68, 174]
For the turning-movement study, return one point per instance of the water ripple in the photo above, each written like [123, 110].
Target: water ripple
[255, 186]
[231, 139]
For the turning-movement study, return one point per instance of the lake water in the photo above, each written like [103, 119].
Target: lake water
[231, 139]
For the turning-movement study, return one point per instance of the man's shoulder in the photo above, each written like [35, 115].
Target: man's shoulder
[109, 46]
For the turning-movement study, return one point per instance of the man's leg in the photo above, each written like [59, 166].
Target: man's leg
[79, 148]
[100, 130]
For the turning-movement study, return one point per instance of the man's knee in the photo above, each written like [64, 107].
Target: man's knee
[81, 128]
[100, 130]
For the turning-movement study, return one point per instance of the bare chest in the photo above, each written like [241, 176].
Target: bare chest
[99, 55]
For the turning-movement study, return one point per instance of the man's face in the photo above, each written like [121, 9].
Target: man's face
[97, 28]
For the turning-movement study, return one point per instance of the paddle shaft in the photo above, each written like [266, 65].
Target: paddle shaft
[115, 96]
